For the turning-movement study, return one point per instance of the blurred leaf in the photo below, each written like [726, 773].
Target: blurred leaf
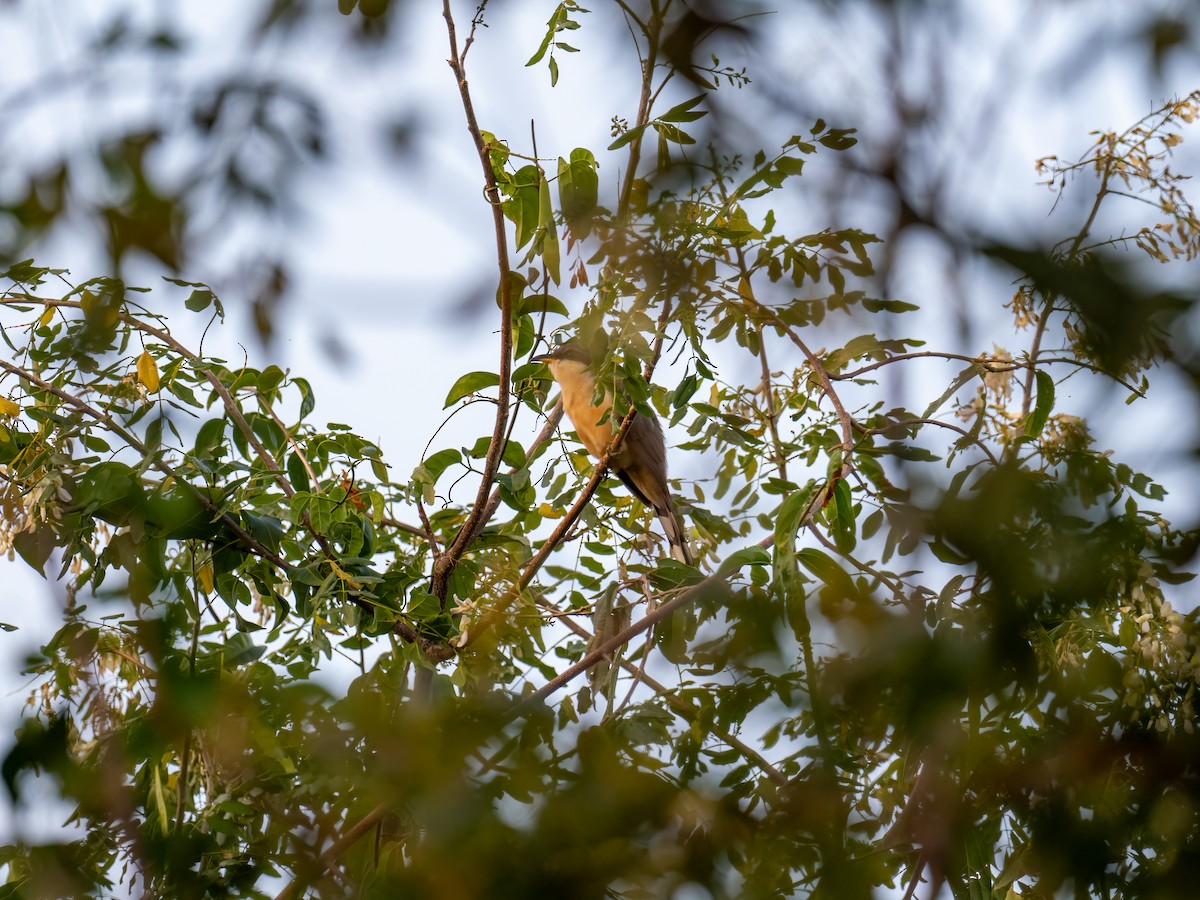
[147, 370]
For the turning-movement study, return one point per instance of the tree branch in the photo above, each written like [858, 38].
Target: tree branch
[445, 563]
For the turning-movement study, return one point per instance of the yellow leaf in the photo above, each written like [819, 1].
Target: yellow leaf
[343, 575]
[8, 408]
[745, 289]
[205, 574]
[148, 371]
[47, 316]
[164, 822]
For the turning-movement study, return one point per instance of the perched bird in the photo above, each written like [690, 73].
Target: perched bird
[641, 460]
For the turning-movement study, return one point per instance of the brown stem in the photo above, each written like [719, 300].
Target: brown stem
[989, 364]
[684, 709]
[446, 562]
[822, 374]
[1044, 318]
[956, 429]
[651, 30]
[402, 526]
[235, 413]
[551, 423]
[772, 411]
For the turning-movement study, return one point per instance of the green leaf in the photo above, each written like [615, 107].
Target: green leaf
[947, 555]
[788, 166]
[297, 473]
[838, 139]
[552, 28]
[537, 303]
[549, 233]
[240, 649]
[111, 491]
[739, 559]
[1045, 403]
[843, 522]
[524, 207]
[471, 383]
[826, 570]
[269, 380]
[578, 185]
[625, 138]
[422, 605]
[673, 134]
[684, 112]
[199, 300]
[436, 464]
[959, 380]
[308, 400]
[892, 306]
[684, 391]
[787, 522]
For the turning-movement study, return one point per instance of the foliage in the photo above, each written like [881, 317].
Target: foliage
[937, 643]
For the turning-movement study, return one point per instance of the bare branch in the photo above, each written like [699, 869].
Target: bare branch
[446, 562]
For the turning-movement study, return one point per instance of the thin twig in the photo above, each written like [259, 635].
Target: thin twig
[768, 392]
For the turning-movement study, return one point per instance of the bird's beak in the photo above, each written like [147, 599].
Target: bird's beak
[544, 358]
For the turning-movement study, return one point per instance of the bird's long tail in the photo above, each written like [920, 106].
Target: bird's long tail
[672, 527]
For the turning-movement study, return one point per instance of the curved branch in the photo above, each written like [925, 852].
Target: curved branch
[605, 650]
[847, 423]
[988, 364]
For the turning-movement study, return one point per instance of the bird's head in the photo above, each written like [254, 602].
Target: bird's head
[569, 350]
[569, 358]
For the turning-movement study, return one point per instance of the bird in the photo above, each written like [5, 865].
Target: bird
[641, 460]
